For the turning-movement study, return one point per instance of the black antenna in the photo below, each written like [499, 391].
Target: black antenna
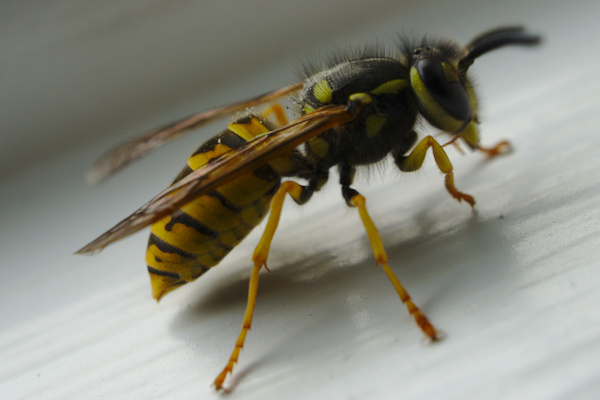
[494, 39]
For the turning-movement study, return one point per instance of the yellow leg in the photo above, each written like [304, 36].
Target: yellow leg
[259, 258]
[381, 258]
[239, 344]
[414, 161]
[502, 147]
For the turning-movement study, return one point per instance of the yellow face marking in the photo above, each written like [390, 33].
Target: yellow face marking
[471, 134]
[374, 124]
[472, 97]
[390, 87]
[450, 73]
[432, 110]
[322, 92]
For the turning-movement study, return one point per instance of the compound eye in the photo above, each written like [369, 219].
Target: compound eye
[451, 95]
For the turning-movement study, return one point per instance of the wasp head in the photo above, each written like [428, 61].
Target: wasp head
[439, 81]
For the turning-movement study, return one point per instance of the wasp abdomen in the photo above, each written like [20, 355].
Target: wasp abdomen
[200, 234]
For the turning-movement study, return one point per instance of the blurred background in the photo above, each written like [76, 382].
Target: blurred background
[513, 286]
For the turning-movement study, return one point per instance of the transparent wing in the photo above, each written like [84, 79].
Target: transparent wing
[224, 169]
[131, 150]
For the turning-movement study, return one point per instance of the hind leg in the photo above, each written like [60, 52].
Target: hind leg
[355, 199]
[300, 194]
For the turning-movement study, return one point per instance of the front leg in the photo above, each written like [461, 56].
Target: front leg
[500, 148]
[414, 161]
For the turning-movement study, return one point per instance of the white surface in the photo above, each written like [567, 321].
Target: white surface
[513, 286]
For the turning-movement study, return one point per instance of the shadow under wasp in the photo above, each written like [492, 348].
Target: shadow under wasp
[356, 111]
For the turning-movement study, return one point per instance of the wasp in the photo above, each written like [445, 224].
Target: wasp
[355, 111]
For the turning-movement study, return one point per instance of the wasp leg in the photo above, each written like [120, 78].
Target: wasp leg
[414, 161]
[301, 195]
[355, 199]
[500, 148]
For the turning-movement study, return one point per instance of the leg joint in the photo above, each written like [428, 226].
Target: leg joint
[349, 194]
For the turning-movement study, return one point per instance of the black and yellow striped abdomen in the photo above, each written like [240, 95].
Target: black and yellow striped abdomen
[196, 237]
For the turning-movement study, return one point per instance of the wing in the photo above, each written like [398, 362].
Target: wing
[129, 151]
[224, 169]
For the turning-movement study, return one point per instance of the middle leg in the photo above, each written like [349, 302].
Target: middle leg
[355, 199]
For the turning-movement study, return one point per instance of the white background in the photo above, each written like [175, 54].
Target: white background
[513, 286]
